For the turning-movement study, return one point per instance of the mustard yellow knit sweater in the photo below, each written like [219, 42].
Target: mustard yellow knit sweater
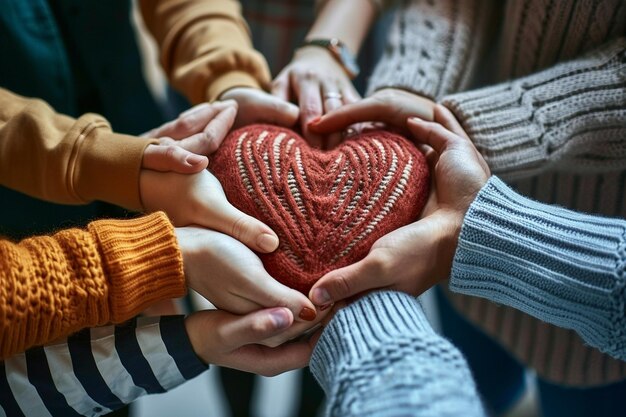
[51, 286]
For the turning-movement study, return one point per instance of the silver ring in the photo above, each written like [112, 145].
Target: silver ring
[333, 94]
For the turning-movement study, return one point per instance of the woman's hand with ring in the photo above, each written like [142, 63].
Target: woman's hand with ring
[319, 85]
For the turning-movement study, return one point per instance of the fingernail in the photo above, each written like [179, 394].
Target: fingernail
[267, 242]
[194, 159]
[280, 318]
[307, 314]
[320, 296]
[325, 306]
[415, 119]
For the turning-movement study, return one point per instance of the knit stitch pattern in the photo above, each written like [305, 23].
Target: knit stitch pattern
[52, 286]
[379, 356]
[327, 207]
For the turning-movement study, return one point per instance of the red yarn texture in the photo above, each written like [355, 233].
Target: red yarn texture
[327, 207]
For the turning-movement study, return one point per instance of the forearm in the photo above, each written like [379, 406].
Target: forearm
[52, 286]
[110, 374]
[433, 48]
[72, 161]
[571, 117]
[563, 267]
[205, 47]
[379, 356]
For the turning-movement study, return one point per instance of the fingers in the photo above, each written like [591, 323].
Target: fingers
[348, 281]
[172, 158]
[269, 361]
[433, 134]
[280, 86]
[277, 111]
[337, 120]
[191, 121]
[333, 99]
[445, 117]
[212, 135]
[269, 292]
[310, 103]
[254, 327]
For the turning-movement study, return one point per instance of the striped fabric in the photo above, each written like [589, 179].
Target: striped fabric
[327, 207]
[98, 370]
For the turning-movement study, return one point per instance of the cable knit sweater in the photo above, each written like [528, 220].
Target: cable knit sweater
[552, 118]
[52, 286]
[379, 356]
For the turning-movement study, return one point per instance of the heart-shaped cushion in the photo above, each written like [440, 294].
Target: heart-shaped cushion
[327, 207]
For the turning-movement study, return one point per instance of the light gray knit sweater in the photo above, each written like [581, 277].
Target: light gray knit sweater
[551, 120]
[380, 357]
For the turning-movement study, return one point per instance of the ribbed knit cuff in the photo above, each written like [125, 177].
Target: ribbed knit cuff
[563, 267]
[142, 261]
[570, 116]
[358, 329]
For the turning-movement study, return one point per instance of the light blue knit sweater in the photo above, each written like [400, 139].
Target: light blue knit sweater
[560, 266]
[380, 357]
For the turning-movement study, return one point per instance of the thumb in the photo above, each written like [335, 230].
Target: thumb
[172, 158]
[348, 281]
[279, 112]
[250, 231]
[255, 327]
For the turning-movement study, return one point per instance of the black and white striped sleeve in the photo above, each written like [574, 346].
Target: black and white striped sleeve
[98, 370]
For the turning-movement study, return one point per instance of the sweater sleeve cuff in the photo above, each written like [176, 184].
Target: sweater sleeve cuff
[142, 262]
[570, 115]
[107, 166]
[230, 80]
[563, 267]
[359, 328]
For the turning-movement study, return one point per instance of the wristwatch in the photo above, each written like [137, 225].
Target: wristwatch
[340, 52]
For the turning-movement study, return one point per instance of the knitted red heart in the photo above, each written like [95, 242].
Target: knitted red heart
[327, 207]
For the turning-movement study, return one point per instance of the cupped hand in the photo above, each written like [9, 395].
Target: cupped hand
[319, 85]
[225, 339]
[417, 256]
[185, 143]
[256, 106]
[389, 105]
[232, 277]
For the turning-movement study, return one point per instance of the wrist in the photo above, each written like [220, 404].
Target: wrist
[337, 50]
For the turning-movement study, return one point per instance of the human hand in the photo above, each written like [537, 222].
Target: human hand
[184, 143]
[256, 106]
[417, 256]
[199, 199]
[232, 277]
[389, 105]
[319, 85]
[224, 339]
